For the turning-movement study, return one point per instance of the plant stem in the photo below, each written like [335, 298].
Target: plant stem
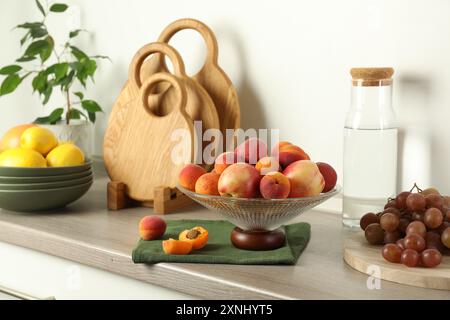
[68, 106]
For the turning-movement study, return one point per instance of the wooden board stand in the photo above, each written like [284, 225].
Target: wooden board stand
[166, 200]
[367, 259]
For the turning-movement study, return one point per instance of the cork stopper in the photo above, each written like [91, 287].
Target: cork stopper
[370, 77]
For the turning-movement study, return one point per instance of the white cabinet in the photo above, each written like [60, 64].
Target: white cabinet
[42, 276]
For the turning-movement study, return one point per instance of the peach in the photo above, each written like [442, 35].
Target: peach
[152, 227]
[280, 145]
[305, 178]
[189, 174]
[223, 161]
[292, 148]
[329, 174]
[267, 164]
[251, 151]
[240, 180]
[207, 184]
[11, 139]
[275, 185]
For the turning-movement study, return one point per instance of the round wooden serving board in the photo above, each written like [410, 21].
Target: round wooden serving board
[365, 258]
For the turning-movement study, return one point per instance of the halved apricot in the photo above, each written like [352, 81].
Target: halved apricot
[198, 236]
[173, 246]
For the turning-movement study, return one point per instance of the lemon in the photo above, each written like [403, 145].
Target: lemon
[11, 139]
[65, 155]
[19, 157]
[40, 139]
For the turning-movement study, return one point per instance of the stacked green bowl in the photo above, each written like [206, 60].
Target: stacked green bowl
[41, 189]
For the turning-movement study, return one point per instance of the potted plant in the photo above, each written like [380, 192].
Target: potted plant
[64, 68]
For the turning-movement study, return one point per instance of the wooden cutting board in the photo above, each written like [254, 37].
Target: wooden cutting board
[211, 76]
[138, 144]
[366, 258]
[199, 106]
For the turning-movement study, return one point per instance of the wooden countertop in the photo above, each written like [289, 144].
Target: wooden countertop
[89, 234]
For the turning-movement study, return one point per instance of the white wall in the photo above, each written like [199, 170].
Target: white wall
[288, 59]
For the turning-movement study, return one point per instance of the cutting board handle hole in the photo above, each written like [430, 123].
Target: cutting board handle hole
[172, 96]
[157, 103]
[192, 47]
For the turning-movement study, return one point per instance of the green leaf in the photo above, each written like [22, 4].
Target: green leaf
[82, 78]
[76, 66]
[42, 47]
[92, 116]
[91, 106]
[36, 47]
[75, 114]
[66, 81]
[84, 68]
[10, 84]
[52, 118]
[39, 82]
[79, 95]
[41, 120]
[40, 7]
[30, 25]
[10, 69]
[79, 54]
[59, 70]
[25, 59]
[90, 67]
[47, 51]
[24, 39]
[55, 116]
[81, 74]
[38, 33]
[48, 92]
[75, 33]
[58, 7]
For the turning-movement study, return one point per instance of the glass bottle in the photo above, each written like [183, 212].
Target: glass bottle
[370, 145]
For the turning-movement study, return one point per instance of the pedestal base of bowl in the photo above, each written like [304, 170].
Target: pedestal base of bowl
[257, 240]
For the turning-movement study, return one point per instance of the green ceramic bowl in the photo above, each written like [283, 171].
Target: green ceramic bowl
[46, 185]
[41, 200]
[37, 172]
[44, 179]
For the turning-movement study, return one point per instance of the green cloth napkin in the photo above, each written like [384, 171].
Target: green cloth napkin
[220, 249]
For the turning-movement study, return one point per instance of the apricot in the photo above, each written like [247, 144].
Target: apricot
[207, 184]
[180, 247]
[305, 178]
[251, 151]
[152, 227]
[290, 154]
[189, 175]
[275, 185]
[329, 174]
[267, 164]
[198, 236]
[223, 161]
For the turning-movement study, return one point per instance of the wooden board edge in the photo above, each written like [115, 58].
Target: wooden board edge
[397, 276]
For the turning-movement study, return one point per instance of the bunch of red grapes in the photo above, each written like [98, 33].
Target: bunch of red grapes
[414, 228]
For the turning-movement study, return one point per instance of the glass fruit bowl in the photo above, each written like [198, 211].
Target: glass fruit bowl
[258, 220]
